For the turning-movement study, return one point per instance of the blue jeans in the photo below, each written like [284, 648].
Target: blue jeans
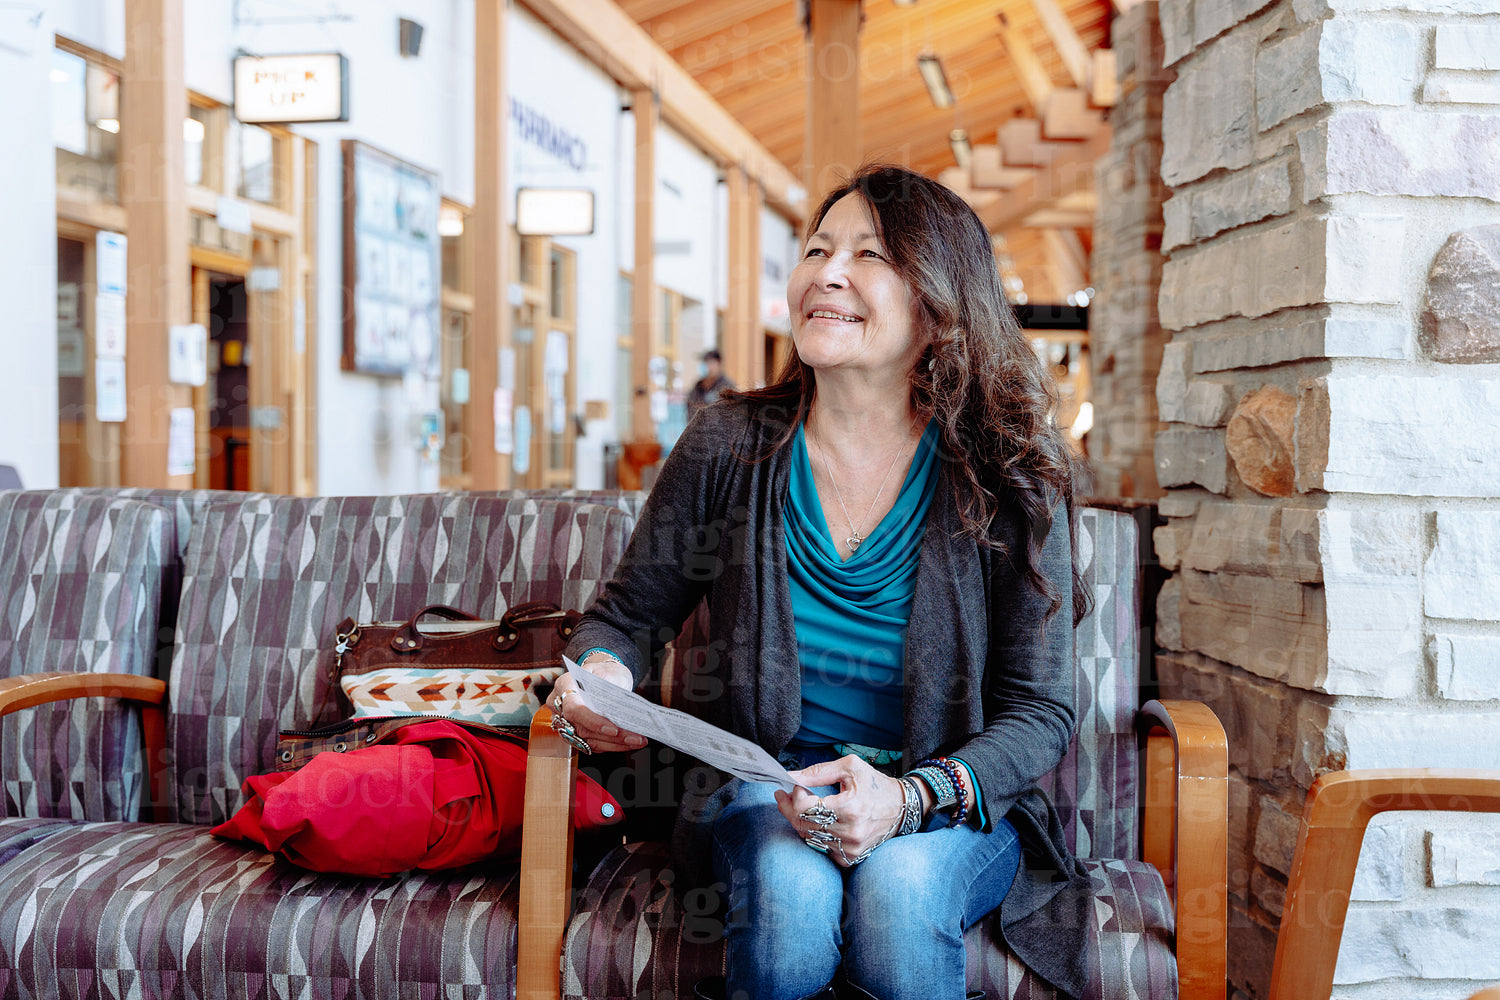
[896, 922]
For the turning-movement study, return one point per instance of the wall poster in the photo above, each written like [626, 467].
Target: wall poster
[392, 257]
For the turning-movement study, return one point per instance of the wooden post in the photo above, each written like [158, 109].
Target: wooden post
[834, 143]
[153, 191]
[738, 345]
[490, 331]
[757, 341]
[645, 306]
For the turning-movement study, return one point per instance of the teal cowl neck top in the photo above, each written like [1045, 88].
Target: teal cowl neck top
[851, 616]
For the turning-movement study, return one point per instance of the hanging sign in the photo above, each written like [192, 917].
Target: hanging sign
[293, 88]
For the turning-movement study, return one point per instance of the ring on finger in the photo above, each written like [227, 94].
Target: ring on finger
[821, 815]
[822, 836]
[816, 845]
[558, 699]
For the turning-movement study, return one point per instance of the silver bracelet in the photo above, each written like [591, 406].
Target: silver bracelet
[911, 807]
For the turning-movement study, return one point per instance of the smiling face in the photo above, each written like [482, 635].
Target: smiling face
[850, 308]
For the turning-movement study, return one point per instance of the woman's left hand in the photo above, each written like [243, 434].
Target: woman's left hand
[865, 810]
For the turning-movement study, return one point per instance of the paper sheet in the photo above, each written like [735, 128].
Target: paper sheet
[710, 744]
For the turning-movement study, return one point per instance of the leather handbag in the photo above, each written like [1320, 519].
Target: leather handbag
[493, 672]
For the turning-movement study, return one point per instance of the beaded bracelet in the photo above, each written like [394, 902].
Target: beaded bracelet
[960, 779]
[951, 769]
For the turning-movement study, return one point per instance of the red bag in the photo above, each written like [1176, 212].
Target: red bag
[436, 795]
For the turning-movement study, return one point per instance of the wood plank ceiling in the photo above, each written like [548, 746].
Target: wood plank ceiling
[751, 56]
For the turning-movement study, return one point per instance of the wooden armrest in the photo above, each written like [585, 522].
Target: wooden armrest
[1185, 835]
[1339, 807]
[546, 861]
[1489, 993]
[31, 690]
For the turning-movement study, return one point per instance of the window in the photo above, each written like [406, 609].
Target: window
[85, 127]
[258, 174]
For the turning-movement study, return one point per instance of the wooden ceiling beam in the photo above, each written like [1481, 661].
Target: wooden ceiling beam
[1071, 171]
[709, 22]
[604, 33]
[1035, 80]
[1075, 55]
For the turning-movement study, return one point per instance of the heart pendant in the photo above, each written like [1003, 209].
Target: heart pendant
[853, 543]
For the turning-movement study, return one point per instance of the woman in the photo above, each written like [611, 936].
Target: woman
[882, 537]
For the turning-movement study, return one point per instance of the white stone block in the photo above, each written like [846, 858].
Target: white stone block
[1313, 9]
[1416, 738]
[1273, 269]
[1171, 381]
[1467, 46]
[1375, 545]
[1192, 456]
[1180, 503]
[1459, 87]
[1365, 255]
[1176, 20]
[1402, 152]
[1208, 113]
[1380, 873]
[1287, 79]
[1334, 336]
[1207, 404]
[1412, 435]
[1431, 943]
[1214, 17]
[1461, 581]
[1177, 221]
[1372, 62]
[1467, 666]
[1351, 336]
[1260, 192]
[1463, 857]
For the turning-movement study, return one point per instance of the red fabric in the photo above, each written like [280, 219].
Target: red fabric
[438, 796]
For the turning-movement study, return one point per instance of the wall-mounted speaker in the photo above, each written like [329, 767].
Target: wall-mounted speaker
[411, 37]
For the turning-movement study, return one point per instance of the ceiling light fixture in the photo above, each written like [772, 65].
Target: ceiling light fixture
[958, 139]
[931, 68]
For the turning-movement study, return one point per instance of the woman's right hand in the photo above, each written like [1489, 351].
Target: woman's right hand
[601, 735]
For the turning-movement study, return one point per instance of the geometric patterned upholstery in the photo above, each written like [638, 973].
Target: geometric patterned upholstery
[164, 910]
[266, 582]
[81, 587]
[632, 936]
[131, 909]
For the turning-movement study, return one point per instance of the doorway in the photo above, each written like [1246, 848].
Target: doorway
[228, 389]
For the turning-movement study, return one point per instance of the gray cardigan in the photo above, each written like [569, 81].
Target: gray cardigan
[985, 676]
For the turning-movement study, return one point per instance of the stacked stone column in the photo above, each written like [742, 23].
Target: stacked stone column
[1330, 396]
[1125, 336]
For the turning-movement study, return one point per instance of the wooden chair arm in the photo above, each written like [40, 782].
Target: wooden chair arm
[31, 690]
[1185, 835]
[1339, 807]
[1489, 993]
[546, 861]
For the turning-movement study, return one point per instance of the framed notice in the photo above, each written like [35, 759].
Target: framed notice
[392, 261]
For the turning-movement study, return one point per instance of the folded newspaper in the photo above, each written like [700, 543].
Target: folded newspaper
[694, 737]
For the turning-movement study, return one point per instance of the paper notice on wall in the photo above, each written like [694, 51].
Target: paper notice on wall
[505, 441]
[181, 447]
[109, 390]
[109, 263]
[109, 325]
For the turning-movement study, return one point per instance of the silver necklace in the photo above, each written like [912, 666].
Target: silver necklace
[857, 534]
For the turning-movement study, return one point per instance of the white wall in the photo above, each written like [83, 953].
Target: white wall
[28, 253]
[549, 80]
[406, 107]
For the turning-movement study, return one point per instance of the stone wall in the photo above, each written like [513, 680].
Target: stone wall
[1125, 336]
[1331, 447]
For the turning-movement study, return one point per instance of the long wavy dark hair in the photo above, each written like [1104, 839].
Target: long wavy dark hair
[978, 376]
